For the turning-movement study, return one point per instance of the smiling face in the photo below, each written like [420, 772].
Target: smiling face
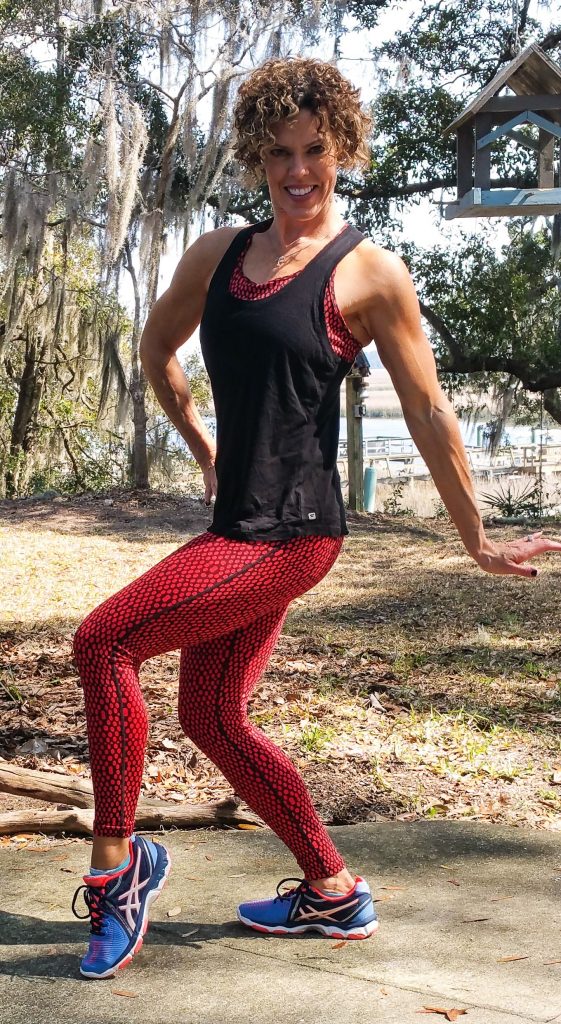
[301, 168]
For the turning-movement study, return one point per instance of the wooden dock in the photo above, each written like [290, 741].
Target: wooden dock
[395, 458]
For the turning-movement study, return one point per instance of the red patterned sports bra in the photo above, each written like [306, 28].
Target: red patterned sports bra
[343, 343]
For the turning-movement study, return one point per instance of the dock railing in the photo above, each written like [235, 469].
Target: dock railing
[397, 457]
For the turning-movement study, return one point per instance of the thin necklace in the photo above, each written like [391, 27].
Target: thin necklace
[285, 257]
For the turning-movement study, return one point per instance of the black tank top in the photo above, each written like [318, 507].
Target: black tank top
[275, 381]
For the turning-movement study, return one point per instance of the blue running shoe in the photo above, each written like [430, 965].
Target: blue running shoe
[118, 907]
[303, 908]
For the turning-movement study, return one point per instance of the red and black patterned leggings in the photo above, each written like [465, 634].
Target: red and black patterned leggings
[223, 603]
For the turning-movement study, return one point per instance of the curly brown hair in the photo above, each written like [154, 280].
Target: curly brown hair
[279, 89]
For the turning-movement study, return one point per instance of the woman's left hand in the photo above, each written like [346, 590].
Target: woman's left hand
[210, 482]
[510, 559]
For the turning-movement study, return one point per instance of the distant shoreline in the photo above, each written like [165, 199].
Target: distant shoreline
[382, 401]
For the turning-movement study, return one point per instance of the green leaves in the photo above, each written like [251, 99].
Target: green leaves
[409, 144]
[468, 42]
[497, 306]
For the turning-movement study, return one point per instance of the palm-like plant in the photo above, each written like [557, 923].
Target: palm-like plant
[515, 500]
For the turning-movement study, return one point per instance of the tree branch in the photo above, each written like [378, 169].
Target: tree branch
[552, 404]
[78, 793]
[551, 40]
[440, 327]
[460, 361]
[548, 43]
[418, 187]
[381, 191]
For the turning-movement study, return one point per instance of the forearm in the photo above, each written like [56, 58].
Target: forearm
[439, 441]
[172, 390]
[390, 315]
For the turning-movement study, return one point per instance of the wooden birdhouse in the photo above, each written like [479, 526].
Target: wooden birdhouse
[533, 82]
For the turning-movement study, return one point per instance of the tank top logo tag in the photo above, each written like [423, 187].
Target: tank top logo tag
[311, 515]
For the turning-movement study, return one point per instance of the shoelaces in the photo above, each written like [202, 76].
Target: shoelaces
[289, 892]
[94, 900]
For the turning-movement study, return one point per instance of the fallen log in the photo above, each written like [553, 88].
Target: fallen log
[49, 786]
[75, 822]
[77, 817]
[80, 821]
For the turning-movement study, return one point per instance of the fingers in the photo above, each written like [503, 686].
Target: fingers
[541, 546]
[529, 571]
[537, 543]
[517, 560]
[210, 491]
[510, 563]
[211, 484]
[511, 559]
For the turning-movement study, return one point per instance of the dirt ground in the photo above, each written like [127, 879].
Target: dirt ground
[408, 684]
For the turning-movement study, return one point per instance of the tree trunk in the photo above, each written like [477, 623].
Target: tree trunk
[139, 449]
[138, 382]
[50, 786]
[25, 417]
[137, 389]
[165, 178]
[552, 403]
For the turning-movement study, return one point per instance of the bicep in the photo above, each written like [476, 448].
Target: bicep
[178, 312]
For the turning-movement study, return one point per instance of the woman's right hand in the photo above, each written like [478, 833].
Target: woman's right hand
[210, 482]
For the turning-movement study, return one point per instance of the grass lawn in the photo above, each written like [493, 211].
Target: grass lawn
[408, 684]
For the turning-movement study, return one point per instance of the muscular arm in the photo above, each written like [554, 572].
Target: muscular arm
[390, 315]
[172, 320]
[394, 322]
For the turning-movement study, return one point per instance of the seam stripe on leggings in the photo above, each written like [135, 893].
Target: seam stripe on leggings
[202, 593]
[251, 762]
[115, 677]
[224, 608]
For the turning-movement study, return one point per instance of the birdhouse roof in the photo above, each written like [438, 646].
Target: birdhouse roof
[531, 73]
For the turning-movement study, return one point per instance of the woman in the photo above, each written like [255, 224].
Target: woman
[284, 307]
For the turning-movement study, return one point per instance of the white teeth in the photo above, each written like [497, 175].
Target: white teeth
[300, 191]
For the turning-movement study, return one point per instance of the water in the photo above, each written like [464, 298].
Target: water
[390, 427]
[397, 427]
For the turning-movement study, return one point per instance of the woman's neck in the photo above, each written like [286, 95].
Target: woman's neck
[286, 231]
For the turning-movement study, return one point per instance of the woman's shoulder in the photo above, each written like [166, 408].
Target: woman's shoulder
[373, 280]
[379, 266]
[216, 242]
[201, 258]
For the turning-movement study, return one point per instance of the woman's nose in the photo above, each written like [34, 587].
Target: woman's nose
[298, 165]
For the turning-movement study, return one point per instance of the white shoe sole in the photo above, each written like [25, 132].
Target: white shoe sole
[329, 931]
